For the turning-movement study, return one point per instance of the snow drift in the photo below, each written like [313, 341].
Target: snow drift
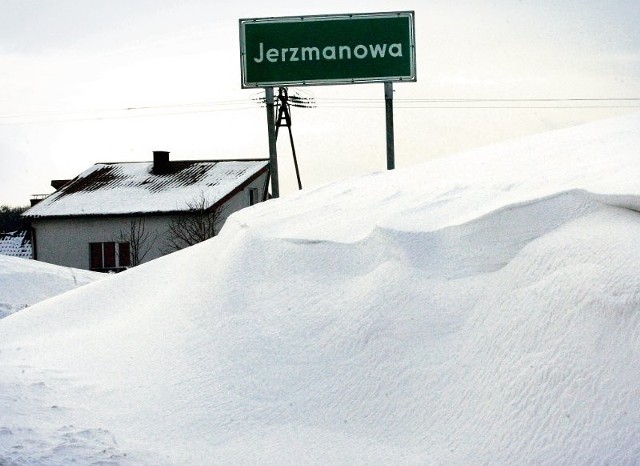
[480, 308]
[24, 282]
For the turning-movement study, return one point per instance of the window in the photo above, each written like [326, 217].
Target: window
[96, 256]
[109, 256]
[124, 255]
[253, 196]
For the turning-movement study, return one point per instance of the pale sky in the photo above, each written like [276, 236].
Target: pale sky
[71, 69]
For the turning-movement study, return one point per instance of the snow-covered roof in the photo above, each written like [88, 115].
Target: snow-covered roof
[134, 188]
[16, 244]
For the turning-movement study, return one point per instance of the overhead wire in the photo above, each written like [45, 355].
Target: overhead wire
[145, 111]
[482, 103]
[142, 111]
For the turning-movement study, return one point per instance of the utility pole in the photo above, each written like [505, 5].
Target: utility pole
[284, 114]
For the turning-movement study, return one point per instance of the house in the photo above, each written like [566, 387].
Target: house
[115, 215]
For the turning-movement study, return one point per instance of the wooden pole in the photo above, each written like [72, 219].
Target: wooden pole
[295, 159]
[285, 114]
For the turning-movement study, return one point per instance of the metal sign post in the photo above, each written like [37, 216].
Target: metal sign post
[388, 103]
[273, 153]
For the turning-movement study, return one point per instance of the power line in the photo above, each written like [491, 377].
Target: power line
[478, 103]
[122, 113]
[472, 107]
[343, 103]
[497, 100]
[228, 103]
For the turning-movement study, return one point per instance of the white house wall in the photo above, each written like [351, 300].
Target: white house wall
[65, 241]
[241, 199]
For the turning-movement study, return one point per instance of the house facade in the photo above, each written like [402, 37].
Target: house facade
[117, 215]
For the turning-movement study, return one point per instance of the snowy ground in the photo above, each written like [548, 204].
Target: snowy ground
[24, 282]
[483, 308]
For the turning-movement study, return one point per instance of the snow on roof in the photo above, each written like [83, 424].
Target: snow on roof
[16, 244]
[133, 188]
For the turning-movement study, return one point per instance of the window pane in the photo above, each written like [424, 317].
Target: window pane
[109, 255]
[124, 256]
[96, 255]
[253, 196]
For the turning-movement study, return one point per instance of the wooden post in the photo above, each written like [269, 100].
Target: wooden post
[273, 154]
[284, 114]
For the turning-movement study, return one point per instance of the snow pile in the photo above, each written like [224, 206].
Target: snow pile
[16, 244]
[483, 308]
[25, 282]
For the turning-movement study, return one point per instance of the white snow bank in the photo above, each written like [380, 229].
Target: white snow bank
[478, 309]
[24, 282]
[596, 157]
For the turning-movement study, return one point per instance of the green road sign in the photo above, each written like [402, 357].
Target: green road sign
[329, 49]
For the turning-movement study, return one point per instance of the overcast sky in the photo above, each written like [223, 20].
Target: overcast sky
[112, 80]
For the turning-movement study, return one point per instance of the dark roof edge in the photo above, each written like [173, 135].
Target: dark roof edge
[124, 215]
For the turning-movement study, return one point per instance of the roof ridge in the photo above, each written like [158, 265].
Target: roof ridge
[187, 161]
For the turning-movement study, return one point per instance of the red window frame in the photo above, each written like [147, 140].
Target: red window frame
[109, 256]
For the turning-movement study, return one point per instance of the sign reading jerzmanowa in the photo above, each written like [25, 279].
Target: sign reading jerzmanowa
[328, 49]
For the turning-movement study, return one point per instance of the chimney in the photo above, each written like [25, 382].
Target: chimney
[161, 164]
[57, 184]
[36, 198]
